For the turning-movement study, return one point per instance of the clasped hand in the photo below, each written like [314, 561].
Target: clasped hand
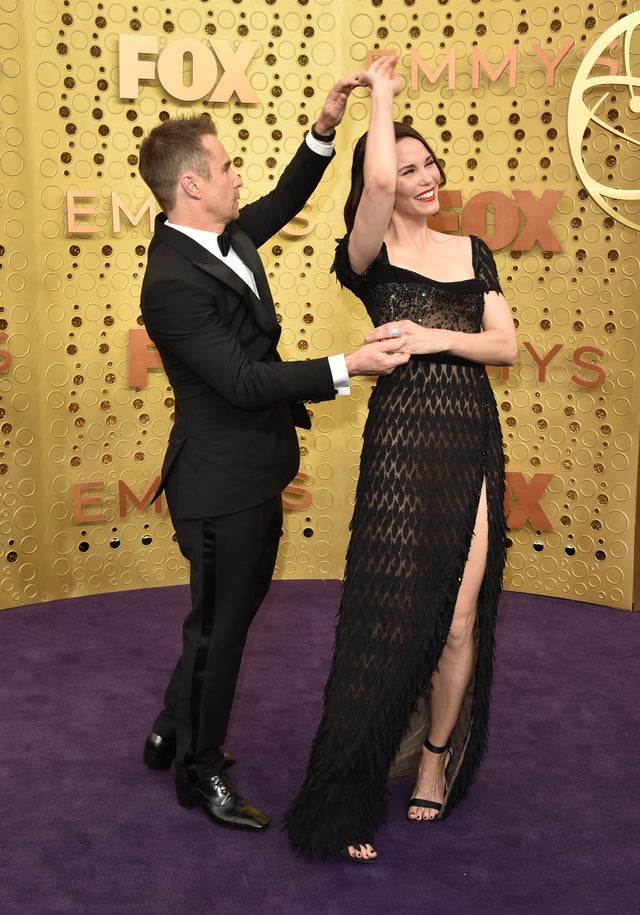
[381, 70]
[416, 338]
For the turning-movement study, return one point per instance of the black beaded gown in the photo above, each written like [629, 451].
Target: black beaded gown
[431, 438]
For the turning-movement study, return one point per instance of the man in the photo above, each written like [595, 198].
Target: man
[233, 447]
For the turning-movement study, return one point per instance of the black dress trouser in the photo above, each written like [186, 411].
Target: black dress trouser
[231, 561]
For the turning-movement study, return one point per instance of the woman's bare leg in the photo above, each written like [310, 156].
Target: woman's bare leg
[454, 671]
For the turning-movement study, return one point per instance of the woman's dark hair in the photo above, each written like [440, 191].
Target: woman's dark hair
[357, 168]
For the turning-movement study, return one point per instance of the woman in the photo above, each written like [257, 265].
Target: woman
[425, 561]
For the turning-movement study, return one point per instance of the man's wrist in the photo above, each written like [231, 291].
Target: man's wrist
[320, 133]
[352, 364]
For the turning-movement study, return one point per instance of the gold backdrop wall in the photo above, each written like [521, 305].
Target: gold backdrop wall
[534, 112]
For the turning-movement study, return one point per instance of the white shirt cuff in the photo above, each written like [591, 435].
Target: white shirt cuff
[339, 373]
[323, 149]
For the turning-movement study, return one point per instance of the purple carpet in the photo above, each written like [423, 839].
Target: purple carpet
[551, 825]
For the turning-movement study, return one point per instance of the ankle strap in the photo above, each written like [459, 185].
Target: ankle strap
[434, 749]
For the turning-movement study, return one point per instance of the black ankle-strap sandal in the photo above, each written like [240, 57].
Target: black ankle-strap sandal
[438, 750]
[420, 802]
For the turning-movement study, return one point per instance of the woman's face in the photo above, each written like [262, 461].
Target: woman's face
[418, 178]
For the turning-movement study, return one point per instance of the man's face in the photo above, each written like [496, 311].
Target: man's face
[220, 192]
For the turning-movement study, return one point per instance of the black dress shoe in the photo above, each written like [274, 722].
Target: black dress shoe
[160, 752]
[220, 800]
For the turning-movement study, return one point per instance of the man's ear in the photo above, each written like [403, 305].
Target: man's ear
[190, 183]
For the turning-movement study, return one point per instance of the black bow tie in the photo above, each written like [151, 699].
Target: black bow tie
[224, 243]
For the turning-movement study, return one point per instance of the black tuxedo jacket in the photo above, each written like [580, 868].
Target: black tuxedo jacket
[233, 444]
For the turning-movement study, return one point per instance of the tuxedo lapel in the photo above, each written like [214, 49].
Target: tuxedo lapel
[262, 313]
[261, 309]
[247, 252]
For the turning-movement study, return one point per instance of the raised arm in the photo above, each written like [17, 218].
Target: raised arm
[335, 104]
[380, 171]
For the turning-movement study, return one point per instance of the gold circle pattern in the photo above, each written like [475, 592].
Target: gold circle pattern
[82, 443]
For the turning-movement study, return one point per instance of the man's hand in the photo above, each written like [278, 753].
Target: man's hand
[336, 103]
[379, 358]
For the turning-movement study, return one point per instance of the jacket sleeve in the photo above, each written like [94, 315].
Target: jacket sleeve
[264, 217]
[197, 348]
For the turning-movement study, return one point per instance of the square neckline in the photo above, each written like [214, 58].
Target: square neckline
[429, 279]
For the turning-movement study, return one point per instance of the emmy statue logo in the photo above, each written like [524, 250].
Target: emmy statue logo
[603, 119]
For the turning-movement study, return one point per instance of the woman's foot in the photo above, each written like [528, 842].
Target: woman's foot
[431, 783]
[361, 854]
